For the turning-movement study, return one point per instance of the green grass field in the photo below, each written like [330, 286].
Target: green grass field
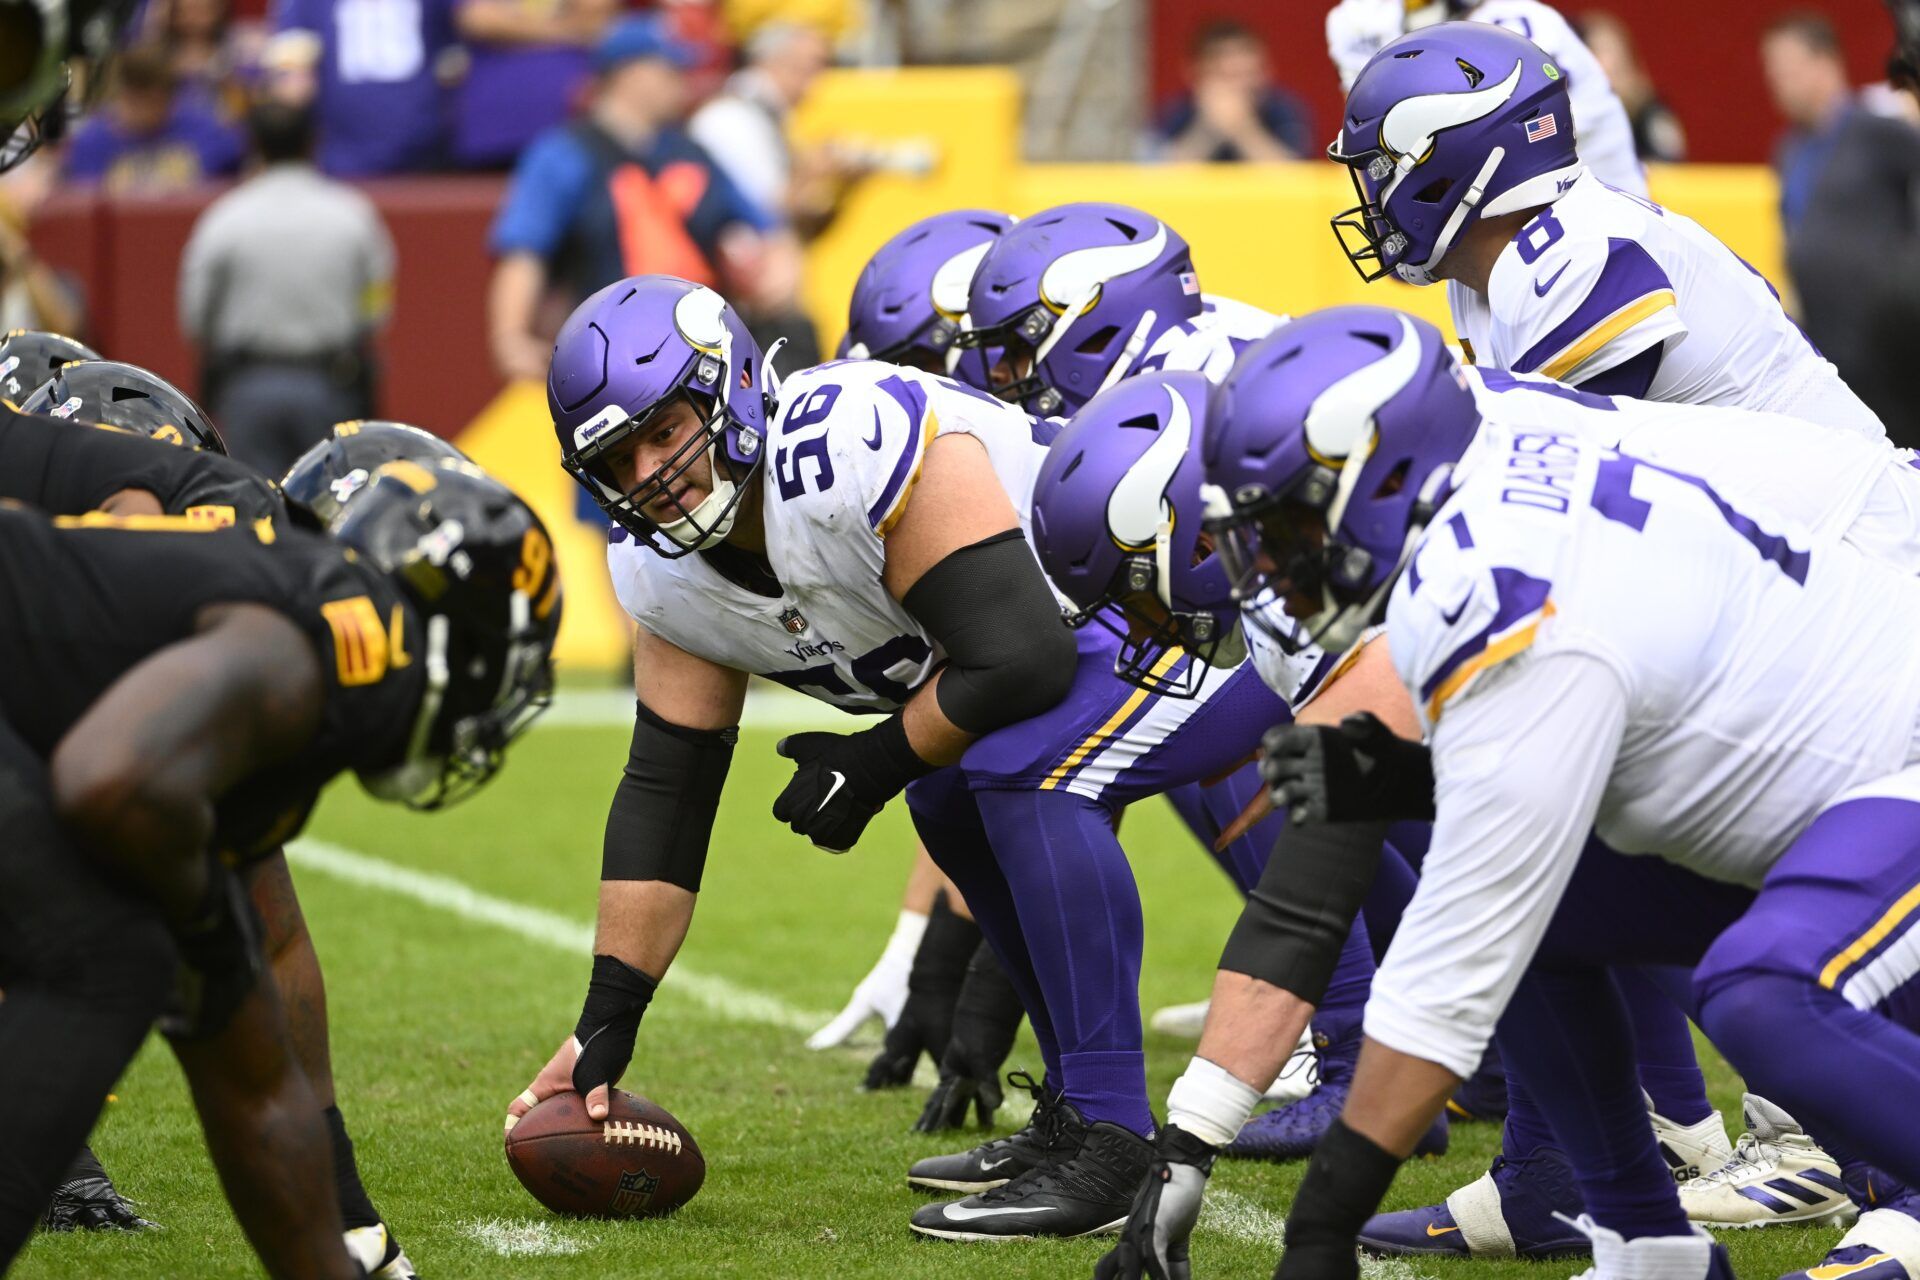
[443, 1011]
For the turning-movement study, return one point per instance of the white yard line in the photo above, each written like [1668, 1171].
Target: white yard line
[521, 1238]
[717, 995]
[1232, 1214]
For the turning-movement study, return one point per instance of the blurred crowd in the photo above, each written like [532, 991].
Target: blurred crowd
[655, 138]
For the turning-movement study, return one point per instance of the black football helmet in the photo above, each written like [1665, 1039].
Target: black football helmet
[322, 480]
[479, 567]
[28, 357]
[47, 38]
[125, 396]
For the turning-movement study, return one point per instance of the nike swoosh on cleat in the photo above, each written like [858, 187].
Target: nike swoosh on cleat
[1540, 290]
[839, 781]
[1839, 1270]
[1439, 1231]
[989, 1168]
[960, 1213]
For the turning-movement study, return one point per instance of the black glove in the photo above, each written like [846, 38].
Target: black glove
[1358, 772]
[609, 1020]
[1153, 1244]
[933, 988]
[220, 959]
[841, 780]
[985, 1020]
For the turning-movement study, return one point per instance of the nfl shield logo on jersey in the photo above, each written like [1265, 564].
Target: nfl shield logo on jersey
[790, 619]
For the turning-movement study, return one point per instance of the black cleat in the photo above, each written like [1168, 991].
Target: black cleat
[88, 1201]
[1090, 1192]
[1054, 1130]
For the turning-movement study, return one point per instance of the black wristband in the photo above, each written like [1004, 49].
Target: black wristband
[1344, 1184]
[617, 991]
[883, 761]
[616, 997]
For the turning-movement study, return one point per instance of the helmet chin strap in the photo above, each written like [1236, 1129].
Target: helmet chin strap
[1136, 343]
[1423, 273]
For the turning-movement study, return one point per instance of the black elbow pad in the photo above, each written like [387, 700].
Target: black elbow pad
[1010, 655]
[1297, 918]
[663, 810]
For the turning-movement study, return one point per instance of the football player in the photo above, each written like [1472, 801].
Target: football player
[1456, 139]
[1072, 301]
[1840, 484]
[1467, 176]
[182, 696]
[1500, 567]
[28, 357]
[1356, 29]
[856, 532]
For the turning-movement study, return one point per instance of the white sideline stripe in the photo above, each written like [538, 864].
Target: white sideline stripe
[768, 707]
[1232, 1214]
[521, 1238]
[717, 995]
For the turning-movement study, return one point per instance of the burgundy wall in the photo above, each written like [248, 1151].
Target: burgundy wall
[126, 253]
[1703, 54]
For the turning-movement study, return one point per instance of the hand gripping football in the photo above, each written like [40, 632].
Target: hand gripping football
[639, 1162]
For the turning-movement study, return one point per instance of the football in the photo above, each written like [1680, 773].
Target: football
[639, 1162]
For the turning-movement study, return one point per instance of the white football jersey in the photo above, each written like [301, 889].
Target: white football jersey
[1211, 341]
[1835, 483]
[1600, 276]
[1209, 344]
[1765, 670]
[1602, 132]
[843, 453]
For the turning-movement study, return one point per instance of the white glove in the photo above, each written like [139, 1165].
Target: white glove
[883, 992]
[1355, 31]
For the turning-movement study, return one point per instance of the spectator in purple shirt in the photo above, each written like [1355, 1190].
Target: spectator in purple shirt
[530, 60]
[147, 138]
[374, 73]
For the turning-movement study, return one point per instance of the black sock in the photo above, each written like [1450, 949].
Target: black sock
[356, 1210]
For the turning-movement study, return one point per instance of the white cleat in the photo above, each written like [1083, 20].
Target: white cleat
[1694, 1257]
[1776, 1174]
[1183, 1020]
[1691, 1149]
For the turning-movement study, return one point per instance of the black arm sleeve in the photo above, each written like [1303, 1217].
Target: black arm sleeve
[1297, 918]
[662, 814]
[1010, 655]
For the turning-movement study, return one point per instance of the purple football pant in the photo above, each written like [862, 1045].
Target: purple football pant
[1024, 825]
[1808, 987]
[1582, 1037]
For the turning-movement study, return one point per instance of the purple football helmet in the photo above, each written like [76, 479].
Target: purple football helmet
[1327, 451]
[909, 301]
[1116, 524]
[626, 353]
[1449, 123]
[1077, 293]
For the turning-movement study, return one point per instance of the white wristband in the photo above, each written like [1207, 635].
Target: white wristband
[906, 938]
[1210, 1102]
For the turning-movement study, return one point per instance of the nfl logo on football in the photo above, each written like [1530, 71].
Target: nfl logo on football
[635, 1193]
